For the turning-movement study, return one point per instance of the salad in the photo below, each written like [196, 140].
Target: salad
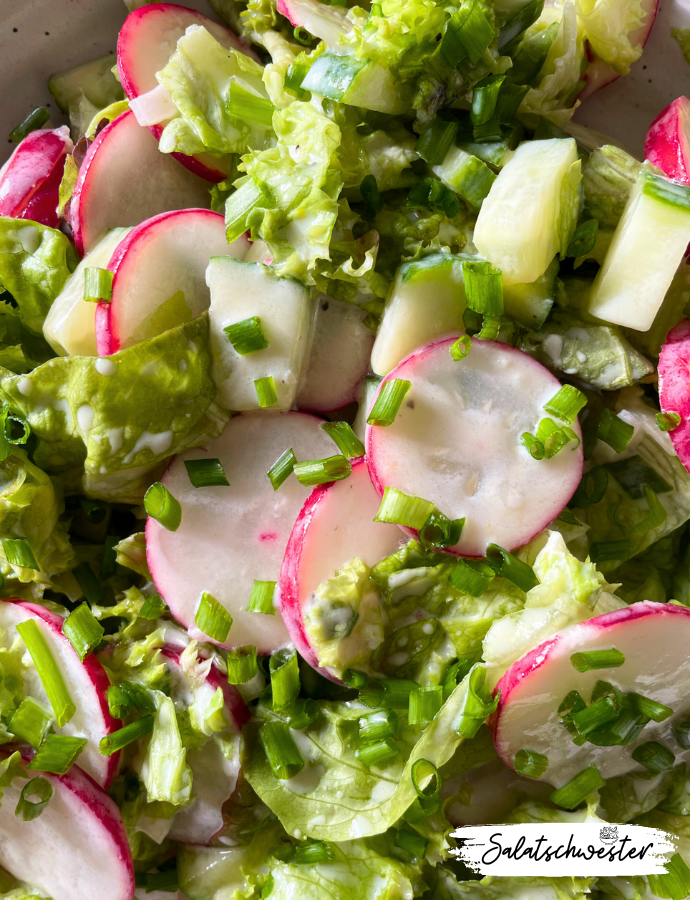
[344, 456]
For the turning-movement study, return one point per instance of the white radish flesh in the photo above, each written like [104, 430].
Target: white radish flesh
[240, 291]
[76, 849]
[30, 179]
[124, 179]
[86, 683]
[161, 257]
[338, 359]
[653, 637]
[70, 326]
[456, 441]
[335, 526]
[234, 534]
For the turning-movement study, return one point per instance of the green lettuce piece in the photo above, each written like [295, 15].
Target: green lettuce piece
[682, 38]
[598, 354]
[20, 348]
[131, 552]
[627, 796]
[335, 797]
[156, 400]
[12, 684]
[608, 25]
[656, 573]
[447, 887]
[10, 768]
[35, 262]
[210, 86]
[608, 177]
[467, 619]
[534, 811]
[164, 771]
[671, 311]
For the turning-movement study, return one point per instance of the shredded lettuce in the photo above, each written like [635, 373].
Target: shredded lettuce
[164, 770]
[608, 25]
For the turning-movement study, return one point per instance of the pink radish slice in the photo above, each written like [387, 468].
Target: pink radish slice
[231, 536]
[674, 386]
[654, 640]
[77, 849]
[456, 441]
[146, 42]
[335, 526]
[161, 256]
[86, 683]
[124, 179]
[30, 180]
[667, 144]
[325, 22]
[339, 356]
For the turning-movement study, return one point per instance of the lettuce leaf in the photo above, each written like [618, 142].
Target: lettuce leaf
[164, 771]
[607, 25]
[447, 887]
[627, 796]
[608, 177]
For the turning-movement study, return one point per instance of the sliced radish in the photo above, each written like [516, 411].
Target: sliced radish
[674, 386]
[30, 180]
[234, 534]
[653, 637]
[667, 144]
[456, 441]
[86, 683]
[124, 179]
[335, 526]
[259, 252]
[70, 326]
[147, 40]
[327, 23]
[77, 849]
[160, 258]
[338, 358]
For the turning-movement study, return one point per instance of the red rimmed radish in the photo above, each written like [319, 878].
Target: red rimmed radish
[325, 22]
[160, 258]
[234, 534]
[674, 386]
[147, 40]
[667, 144]
[86, 684]
[30, 179]
[456, 441]
[338, 358]
[653, 638]
[124, 179]
[335, 526]
[76, 849]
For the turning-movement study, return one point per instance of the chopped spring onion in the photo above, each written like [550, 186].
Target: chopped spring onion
[261, 598]
[30, 721]
[399, 508]
[98, 285]
[425, 702]
[242, 665]
[281, 750]
[253, 194]
[531, 444]
[477, 705]
[592, 487]
[491, 326]
[552, 438]
[36, 119]
[484, 98]
[653, 756]
[246, 336]
[471, 576]
[595, 716]
[378, 725]
[355, 679]
[281, 468]
[312, 853]
[597, 659]
[160, 504]
[212, 618]
[603, 551]
[675, 882]
[438, 138]
[633, 474]
[119, 701]
[681, 732]
[468, 33]
[294, 78]
[266, 391]
[153, 608]
[33, 799]
[426, 780]
[584, 238]
[116, 740]
[531, 763]
[574, 792]
[371, 195]
[83, 630]
[509, 100]
[139, 696]
[57, 754]
[344, 438]
[89, 583]
[48, 671]
[566, 404]
[206, 473]
[249, 107]
[301, 713]
[508, 566]
[388, 693]
[489, 132]
[412, 843]
[650, 708]
[321, 471]
[302, 36]
[461, 347]
[626, 728]
[654, 518]
[667, 421]
[483, 287]
[422, 808]
[388, 401]
[109, 563]
[284, 670]
[378, 753]
[439, 531]
[614, 431]
[19, 553]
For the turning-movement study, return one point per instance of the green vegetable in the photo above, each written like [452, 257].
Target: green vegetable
[164, 770]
